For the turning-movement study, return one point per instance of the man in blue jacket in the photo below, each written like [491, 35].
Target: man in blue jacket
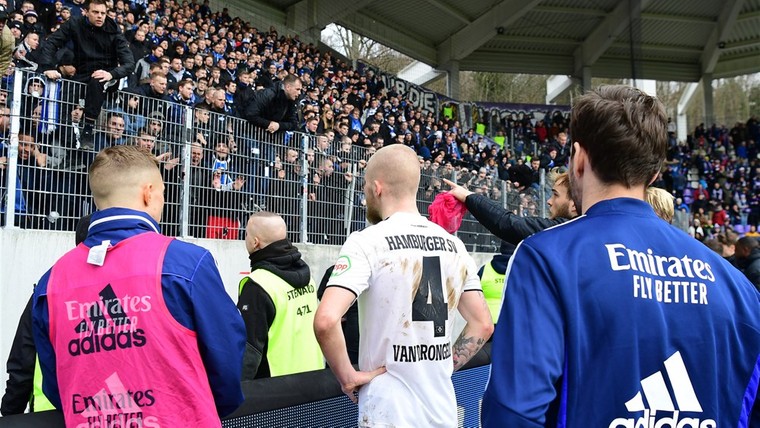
[617, 319]
[129, 196]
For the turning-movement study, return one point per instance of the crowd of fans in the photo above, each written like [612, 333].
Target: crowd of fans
[715, 179]
[247, 88]
[233, 75]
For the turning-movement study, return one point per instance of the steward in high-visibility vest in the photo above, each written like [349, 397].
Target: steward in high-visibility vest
[492, 276]
[278, 300]
[24, 386]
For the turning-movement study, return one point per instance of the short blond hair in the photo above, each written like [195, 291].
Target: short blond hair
[118, 167]
[662, 202]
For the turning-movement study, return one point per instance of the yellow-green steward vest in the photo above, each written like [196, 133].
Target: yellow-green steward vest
[292, 347]
[40, 402]
[493, 289]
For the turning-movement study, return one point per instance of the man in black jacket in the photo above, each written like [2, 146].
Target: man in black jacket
[275, 108]
[747, 252]
[245, 91]
[512, 228]
[268, 76]
[101, 54]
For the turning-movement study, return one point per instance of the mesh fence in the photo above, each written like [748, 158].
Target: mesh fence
[218, 168]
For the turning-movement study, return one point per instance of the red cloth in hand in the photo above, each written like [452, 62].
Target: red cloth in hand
[447, 212]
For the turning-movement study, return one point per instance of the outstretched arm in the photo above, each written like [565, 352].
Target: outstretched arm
[502, 223]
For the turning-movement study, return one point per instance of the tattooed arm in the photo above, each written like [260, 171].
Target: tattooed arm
[479, 327]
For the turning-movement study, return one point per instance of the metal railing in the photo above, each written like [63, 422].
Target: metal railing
[218, 169]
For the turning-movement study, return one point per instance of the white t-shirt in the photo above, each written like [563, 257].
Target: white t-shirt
[409, 274]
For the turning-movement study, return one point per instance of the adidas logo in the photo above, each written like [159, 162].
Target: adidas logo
[658, 399]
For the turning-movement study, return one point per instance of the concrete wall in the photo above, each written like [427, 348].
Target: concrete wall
[26, 255]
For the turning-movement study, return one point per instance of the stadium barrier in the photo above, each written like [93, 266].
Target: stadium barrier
[218, 169]
[312, 399]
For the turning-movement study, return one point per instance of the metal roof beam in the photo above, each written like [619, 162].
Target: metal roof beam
[307, 15]
[483, 29]
[570, 10]
[450, 11]
[743, 44]
[409, 44]
[726, 22]
[554, 41]
[737, 66]
[701, 20]
[556, 64]
[605, 34]
[660, 48]
[748, 16]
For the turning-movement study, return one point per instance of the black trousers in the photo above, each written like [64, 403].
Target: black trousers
[95, 95]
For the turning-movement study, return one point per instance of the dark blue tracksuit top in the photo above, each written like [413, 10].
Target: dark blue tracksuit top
[617, 319]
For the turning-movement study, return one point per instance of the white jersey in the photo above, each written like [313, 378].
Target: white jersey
[408, 274]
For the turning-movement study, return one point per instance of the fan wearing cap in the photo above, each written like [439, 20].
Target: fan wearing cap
[15, 28]
[31, 23]
[101, 54]
[311, 98]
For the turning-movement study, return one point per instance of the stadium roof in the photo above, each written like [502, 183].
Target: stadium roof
[669, 39]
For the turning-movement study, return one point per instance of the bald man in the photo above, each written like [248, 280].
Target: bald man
[278, 300]
[131, 325]
[410, 276]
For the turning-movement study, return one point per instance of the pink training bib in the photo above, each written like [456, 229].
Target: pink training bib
[122, 360]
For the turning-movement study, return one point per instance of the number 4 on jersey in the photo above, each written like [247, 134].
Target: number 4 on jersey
[428, 304]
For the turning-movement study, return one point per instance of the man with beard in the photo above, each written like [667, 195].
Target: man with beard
[617, 318]
[410, 276]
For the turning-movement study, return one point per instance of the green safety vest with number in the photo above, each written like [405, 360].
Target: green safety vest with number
[292, 346]
[40, 402]
[493, 289]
